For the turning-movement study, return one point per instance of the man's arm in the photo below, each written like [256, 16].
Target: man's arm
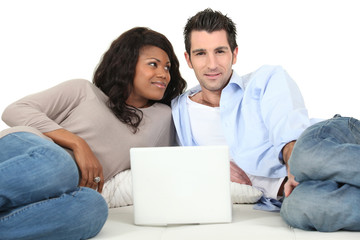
[291, 183]
[238, 175]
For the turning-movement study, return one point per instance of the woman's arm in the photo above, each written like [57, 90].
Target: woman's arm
[46, 110]
[87, 162]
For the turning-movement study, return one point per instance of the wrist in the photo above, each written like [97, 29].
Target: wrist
[67, 139]
[286, 152]
[77, 144]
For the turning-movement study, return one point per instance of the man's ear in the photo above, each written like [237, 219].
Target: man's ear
[188, 60]
[235, 53]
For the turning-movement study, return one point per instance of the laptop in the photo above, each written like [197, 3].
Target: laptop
[181, 185]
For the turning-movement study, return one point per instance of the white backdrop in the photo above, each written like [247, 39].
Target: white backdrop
[45, 42]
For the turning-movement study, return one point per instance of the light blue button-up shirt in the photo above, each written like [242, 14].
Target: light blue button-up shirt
[260, 113]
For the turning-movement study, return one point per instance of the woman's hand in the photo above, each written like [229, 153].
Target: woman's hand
[238, 175]
[89, 166]
[86, 161]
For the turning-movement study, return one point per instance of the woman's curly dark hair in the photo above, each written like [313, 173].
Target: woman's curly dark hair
[116, 71]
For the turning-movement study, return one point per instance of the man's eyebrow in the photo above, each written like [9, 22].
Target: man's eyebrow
[216, 49]
[198, 50]
[222, 48]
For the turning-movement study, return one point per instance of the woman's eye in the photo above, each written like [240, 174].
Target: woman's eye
[154, 64]
[167, 68]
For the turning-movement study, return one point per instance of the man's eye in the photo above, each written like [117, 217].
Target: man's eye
[199, 53]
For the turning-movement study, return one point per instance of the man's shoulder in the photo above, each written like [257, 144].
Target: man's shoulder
[261, 76]
[266, 71]
[270, 68]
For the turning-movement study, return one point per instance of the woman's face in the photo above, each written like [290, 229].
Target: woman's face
[152, 76]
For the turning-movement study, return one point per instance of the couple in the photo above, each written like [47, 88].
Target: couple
[44, 193]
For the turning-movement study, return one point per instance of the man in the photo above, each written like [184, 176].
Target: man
[259, 115]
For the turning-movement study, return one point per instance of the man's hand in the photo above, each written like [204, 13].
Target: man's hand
[291, 183]
[238, 175]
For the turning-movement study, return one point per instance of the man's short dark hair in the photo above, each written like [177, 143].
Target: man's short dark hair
[209, 20]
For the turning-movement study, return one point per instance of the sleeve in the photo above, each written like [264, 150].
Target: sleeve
[283, 109]
[181, 118]
[47, 109]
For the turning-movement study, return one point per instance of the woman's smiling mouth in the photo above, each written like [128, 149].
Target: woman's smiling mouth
[159, 84]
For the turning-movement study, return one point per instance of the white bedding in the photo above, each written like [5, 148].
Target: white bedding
[118, 191]
[247, 224]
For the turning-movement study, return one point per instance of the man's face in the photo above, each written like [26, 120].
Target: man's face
[211, 58]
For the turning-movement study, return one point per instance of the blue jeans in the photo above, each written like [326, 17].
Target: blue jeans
[39, 193]
[326, 163]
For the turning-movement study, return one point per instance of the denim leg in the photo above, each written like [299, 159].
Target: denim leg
[329, 150]
[324, 206]
[39, 197]
[33, 169]
[79, 214]
[326, 163]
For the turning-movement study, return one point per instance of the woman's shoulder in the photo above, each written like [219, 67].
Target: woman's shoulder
[157, 111]
[73, 85]
[160, 107]
[79, 82]
[83, 87]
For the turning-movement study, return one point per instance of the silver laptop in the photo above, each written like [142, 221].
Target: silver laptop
[181, 185]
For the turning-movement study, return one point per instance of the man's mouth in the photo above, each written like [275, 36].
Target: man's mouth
[212, 75]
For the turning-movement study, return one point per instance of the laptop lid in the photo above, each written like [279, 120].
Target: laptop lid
[181, 185]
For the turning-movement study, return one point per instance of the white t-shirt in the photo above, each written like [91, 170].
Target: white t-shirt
[206, 128]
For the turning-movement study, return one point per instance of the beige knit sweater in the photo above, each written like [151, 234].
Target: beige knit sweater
[80, 107]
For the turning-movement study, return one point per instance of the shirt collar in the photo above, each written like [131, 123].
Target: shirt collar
[240, 81]
[236, 80]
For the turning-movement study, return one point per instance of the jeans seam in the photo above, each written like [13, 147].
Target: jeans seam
[39, 203]
[23, 139]
[351, 123]
[321, 129]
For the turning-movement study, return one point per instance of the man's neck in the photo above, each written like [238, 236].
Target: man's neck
[208, 98]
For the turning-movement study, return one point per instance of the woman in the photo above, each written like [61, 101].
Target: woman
[43, 193]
